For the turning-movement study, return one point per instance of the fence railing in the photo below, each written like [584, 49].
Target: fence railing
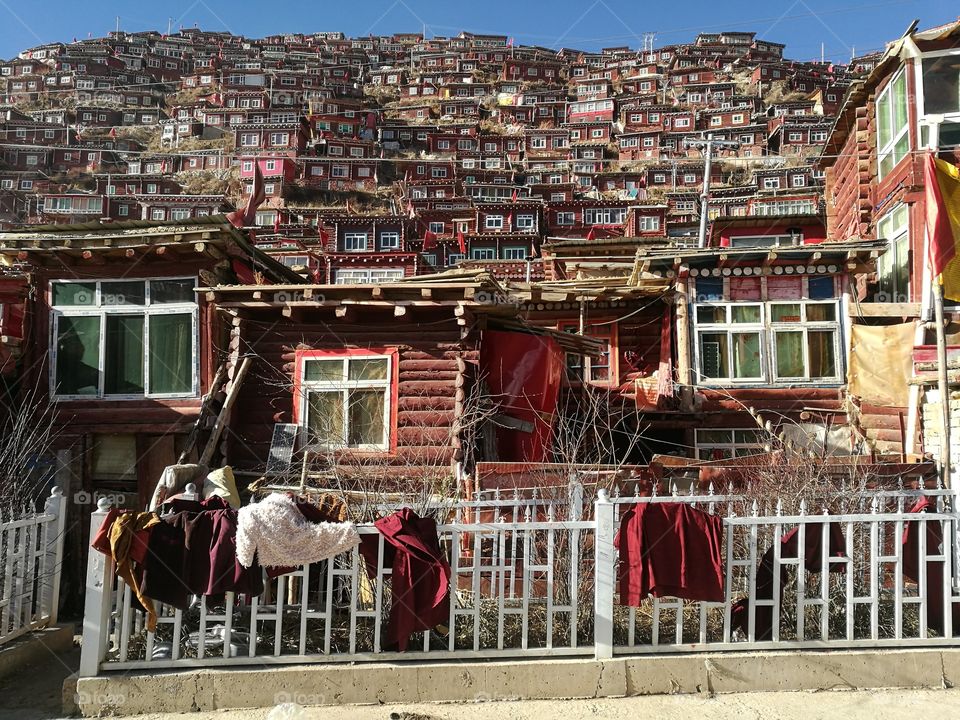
[31, 557]
[533, 582]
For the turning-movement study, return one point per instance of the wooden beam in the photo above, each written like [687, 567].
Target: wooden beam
[399, 310]
[426, 293]
[224, 415]
[343, 311]
[878, 309]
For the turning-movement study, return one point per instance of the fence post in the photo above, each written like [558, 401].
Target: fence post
[53, 562]
[98, 600]
[604, 571]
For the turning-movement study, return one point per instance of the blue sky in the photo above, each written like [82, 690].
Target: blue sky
[840, 25]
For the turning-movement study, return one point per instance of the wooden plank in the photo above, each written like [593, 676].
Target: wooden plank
[885, 309]
[224, 413]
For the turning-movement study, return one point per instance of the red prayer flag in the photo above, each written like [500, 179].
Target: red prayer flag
[942, 182]
[429, 240]
[245, 217]
[592, 233]
[462, 243]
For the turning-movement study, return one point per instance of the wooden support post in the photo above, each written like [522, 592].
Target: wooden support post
[224, 415]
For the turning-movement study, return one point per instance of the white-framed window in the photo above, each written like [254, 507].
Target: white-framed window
[493, 222]
[514, 253]
[438, 172]
[279, 138]
[604, 216]
[681, 122]
[486, 253]
[121, 339]
[893, 266]
[649, 223]
[367, 276]
[389, 240]
[768, 342]
[436, 227]
[722, 444]
[893, 141]
[354, 241]
[339, 171]
[123, 210]
[345, 400]
[771, 183]
[565, 218]
[538, 143]
[180, 214]
[523, 222]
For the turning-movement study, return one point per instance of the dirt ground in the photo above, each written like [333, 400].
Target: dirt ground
[848, 705]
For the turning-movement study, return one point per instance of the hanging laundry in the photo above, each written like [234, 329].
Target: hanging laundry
[278, 533]
[789, 546]
[420, 582]
[327, 508]
[669, 550]
[194, 553]
[124, 536]
[934, 568]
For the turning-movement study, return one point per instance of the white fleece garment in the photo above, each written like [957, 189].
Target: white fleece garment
[280, 536]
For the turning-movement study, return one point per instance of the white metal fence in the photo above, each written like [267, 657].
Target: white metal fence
[527, 580]
[31, 557]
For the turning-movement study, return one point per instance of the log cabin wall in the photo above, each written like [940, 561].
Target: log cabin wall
[433, 382]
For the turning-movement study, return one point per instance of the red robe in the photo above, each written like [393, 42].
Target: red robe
[421, 574]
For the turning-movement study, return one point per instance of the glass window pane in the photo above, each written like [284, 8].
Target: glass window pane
[713, 355]
[823, 361]
[78, 356]
[899, 99]
[821, 288]
[883, 121]
[744, 437]
[790, 354]
[366, 417]
[325, 417]
[746, 313]
[785, 312]
[171, 291]
[941, 85]
[74, 293]
[368, 369]
[714, 436]
[171, 353]
[323, 370]
[711, 314]
[821, 313]
[746, 355]
[123, 355]
[123, 293]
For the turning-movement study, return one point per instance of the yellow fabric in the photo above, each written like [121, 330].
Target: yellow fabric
[948, 179]
[222, 483]
[122, 534]
[881, 363]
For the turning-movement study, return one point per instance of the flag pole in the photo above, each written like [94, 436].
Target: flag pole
[942, 380]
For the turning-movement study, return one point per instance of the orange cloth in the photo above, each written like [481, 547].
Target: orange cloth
[124, 536]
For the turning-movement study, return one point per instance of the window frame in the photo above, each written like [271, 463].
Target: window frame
[102, 311]
[768, 329]
[889, 149]
[733, 446]
[391, 394]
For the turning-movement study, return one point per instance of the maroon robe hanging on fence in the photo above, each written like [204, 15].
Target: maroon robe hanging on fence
[669, 550]
[421, 574]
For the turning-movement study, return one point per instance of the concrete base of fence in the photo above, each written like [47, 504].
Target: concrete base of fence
[34, 646]
[364, 683]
